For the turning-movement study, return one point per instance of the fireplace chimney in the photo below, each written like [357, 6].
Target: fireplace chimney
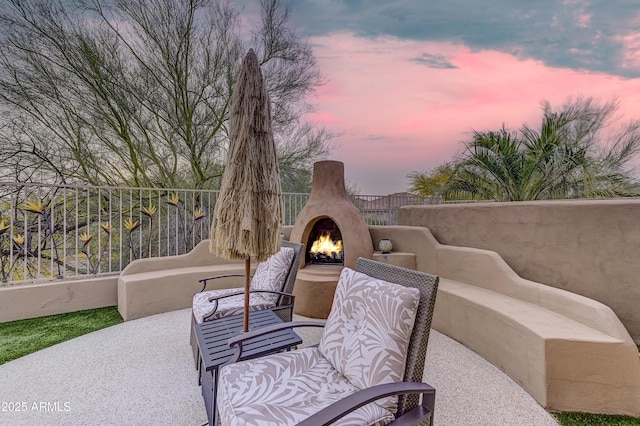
[329, 199]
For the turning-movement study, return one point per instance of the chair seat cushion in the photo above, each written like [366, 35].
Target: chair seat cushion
[286, 388]
[228, 306]
[368, 331]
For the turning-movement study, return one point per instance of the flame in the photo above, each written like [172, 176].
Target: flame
[325, 246]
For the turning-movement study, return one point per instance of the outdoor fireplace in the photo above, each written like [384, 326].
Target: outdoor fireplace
[330, 220]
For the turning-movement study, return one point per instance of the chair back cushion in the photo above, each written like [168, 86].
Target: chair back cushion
[368, 331]
[271, 273]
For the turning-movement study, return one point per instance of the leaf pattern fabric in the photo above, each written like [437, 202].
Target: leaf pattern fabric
[228, 306]
[286, 388]
[368, 331]
[364, 344]
[270, 275]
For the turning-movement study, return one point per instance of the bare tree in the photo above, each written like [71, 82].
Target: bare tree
[136, 92]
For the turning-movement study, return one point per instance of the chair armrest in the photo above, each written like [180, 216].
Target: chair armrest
[237, 341]
[339, 409]
[288, 297]
[215, 299]
[241, 292]
[204, 280]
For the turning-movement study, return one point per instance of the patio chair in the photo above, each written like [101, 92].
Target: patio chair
[367, 368]
[271, 288]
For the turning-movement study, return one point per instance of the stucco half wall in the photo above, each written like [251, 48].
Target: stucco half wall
[588, 247]
[161, 284]
[38, 300]
[571, 353]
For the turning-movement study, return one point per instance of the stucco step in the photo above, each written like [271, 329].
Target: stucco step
[562, 362]
[542, 321]
[182, 273]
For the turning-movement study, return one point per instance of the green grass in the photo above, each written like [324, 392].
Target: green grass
[583, 419]
[19, 338]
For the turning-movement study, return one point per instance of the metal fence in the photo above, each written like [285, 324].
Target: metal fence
[49, 232]
[383, 210]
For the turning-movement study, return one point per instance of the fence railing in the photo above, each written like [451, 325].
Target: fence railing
[383, 210]
[49, 232]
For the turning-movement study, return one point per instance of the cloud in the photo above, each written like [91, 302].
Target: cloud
[409, 80]
[397, 115]
[433, 61]
[585, 35]
[375, 138]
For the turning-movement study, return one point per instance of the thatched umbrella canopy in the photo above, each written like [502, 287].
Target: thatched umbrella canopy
[248, 213]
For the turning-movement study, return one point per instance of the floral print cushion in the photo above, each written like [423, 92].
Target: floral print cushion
[228, 306]
[286, 388]
[271, 273]
[368, 331]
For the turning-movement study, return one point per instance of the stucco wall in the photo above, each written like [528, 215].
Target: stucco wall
[587, 247]
[569, 352]
[38, 300]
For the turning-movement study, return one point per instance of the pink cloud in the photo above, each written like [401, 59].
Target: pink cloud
[631, 57]
[400, 115]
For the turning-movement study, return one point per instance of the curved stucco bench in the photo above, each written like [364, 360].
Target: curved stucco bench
[162, 284]
[569, 352]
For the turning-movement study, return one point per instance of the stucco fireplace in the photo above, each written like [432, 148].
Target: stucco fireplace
[334, 234]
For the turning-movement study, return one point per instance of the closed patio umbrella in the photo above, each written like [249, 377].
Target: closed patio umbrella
[248, 213]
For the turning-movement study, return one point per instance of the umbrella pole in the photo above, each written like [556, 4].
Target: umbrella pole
[247, 285]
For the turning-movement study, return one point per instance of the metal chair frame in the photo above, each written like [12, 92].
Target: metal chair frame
[283, 306]
[411, 411]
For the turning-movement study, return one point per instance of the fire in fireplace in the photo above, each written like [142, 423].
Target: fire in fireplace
[325, 242]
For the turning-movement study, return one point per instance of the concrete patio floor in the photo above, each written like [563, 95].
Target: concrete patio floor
[141, 372]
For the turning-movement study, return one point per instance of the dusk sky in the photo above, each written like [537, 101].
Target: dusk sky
[408, 80]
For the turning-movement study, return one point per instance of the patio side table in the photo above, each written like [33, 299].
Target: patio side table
[214, 350]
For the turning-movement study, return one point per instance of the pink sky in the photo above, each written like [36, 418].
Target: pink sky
[396, 116]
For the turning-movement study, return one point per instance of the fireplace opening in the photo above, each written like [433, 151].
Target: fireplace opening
[325, 244]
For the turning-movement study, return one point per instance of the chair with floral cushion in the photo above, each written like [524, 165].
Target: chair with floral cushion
[366, 370]
[271, 288]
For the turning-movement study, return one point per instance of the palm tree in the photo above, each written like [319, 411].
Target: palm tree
[431, 183]
[563, 159]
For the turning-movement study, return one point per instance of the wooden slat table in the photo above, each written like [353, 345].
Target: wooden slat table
[212, 337]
